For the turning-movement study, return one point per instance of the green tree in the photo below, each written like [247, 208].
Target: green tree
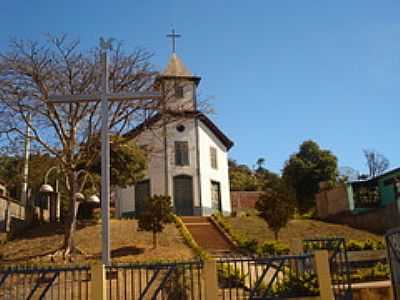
[156, 214]
[241, 177]
[127, 162]
[276, 204]
[11, 174]
[306, 169]
[11, 167]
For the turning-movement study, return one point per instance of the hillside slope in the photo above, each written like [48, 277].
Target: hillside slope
[127, 244]
[253, 227]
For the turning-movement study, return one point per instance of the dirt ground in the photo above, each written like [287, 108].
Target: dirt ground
[127, 243]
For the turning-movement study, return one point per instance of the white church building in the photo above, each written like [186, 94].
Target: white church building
[187, 156]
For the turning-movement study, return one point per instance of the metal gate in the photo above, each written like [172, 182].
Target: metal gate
[275, 277]
[167, 281]
[338, 263]
[59, 283]
[392, 239]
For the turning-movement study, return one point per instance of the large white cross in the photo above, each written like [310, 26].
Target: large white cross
[105, 96]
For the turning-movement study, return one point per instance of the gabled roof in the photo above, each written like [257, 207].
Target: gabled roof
[184, 115]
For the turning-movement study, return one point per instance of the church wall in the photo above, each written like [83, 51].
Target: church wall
[153, 139]
[189, 135]
[184, 103]
[206, 140]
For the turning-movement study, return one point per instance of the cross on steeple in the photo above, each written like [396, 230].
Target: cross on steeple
[173, 37]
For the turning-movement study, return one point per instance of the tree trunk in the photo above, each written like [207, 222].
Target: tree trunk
[70, 225]
[155, 240]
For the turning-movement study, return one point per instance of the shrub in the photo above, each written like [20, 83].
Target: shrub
[270, 248]
[354, 245]
[86, 210]
[293, 285]
[228, 277]
[156, 214]
[248, 245]
[378, 272]
[177, 287]
[359, 245]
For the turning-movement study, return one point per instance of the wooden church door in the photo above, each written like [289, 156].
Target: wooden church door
[183, 195]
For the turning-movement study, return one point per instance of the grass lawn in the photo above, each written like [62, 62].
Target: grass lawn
[128, 244]
[253, 227]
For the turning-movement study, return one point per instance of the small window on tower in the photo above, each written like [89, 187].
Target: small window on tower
[179, 92]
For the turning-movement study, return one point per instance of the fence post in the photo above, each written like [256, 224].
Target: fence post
[99, 286]
[210, 279]
[324, 275]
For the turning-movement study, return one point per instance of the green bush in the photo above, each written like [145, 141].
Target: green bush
[360, 245]
[86, 210]
[270, 248]
[220, 220]
[293, 285]
[376, 273]
[248, 245]
[354, 245]
[228, 277]
[177, 287]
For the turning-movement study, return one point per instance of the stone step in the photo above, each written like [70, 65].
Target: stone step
[188, 220]
[207, 235]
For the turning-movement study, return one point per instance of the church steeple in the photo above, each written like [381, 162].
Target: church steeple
[178, 82]
[175, 67]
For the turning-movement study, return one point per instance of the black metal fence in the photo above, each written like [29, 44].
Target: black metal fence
[72, 282]
[277, 277]
[340, 267]
[169, 281]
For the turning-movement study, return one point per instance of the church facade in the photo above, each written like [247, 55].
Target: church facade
[187, 154]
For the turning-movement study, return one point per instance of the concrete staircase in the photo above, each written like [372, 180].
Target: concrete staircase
[208, 236]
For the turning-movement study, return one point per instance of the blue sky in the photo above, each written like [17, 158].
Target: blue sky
[277, 72]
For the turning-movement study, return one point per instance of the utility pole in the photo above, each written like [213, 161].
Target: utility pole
[27, 148]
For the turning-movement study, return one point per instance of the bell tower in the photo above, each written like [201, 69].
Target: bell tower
[177, 83]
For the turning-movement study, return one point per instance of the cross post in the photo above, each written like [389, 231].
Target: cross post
[173, 37]
[104, 97]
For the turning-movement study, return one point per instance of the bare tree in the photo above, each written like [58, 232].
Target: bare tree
[348, 174]
[377, 163]
[31, 71]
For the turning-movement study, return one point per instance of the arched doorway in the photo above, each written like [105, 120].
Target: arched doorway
[183, 195]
